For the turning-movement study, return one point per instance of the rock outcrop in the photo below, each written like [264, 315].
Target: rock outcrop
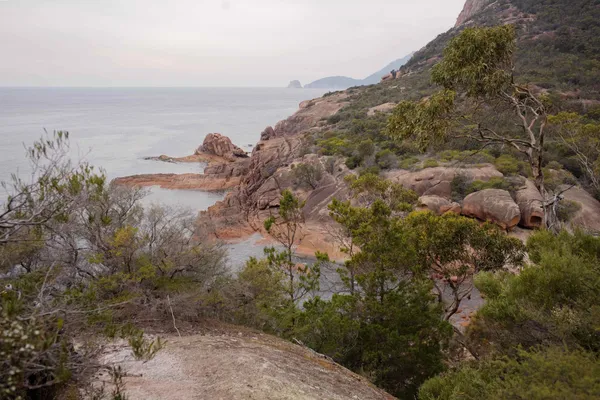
[382, 108]
[237, 365]
[207, 183]
[294, 85]
[310, 113]
[492, 205]
[588, 217]
[437, 181]
[221, 146]
[269, 172]
[438, 205]
[471, 8]
[530, 202]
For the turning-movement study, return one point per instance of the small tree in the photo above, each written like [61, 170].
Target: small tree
[308, 174]
[478, 66]
[286, 229]
[583, 139]
[452, 249]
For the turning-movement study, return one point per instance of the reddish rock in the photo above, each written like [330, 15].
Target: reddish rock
[588, 217]
[437, 181]
[438, 205]
[493, 205]
[202, 182]
[530, 201]
[471, 8]
[267, 134]
[220, 145]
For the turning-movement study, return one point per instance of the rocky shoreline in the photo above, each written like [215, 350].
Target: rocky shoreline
[254, 184]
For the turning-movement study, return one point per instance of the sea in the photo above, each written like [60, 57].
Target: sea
[116, 128]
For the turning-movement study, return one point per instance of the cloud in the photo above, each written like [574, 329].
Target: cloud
[209, 42]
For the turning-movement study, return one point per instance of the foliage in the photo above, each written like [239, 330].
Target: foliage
[430, 163]
[308, 174]
[553, 301]
[286, 229]
[83, 259]
[396, 342]
[567, 209]
[583, 139]
[478, 62]
[368, 188]
[386, 159]
[477, 66]
[549, 374]
[424, 121]
[452, 249]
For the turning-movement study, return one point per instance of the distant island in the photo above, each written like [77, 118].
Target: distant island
[295, 85]
[344, 82]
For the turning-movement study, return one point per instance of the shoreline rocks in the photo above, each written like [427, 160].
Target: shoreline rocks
[221, 146]
[201, 182]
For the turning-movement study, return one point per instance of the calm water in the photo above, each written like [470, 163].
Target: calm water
[114, 128]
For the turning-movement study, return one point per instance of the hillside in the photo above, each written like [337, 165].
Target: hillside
[344, 82]
[558, 43]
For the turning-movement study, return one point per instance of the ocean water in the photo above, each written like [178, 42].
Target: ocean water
[115, 128]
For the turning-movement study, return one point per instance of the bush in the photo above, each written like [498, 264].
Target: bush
[386, 159]
[460, 187]
[308, 175]
[548, 374]
[567, 209]
[507, 164]
[397, 343]
[365, 149]
[430, 163]
[408, 162]
[554, 301]
[352, 162]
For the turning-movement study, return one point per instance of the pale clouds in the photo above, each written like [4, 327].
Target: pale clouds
[209, 42]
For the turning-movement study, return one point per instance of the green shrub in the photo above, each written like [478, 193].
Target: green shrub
[372, 170]
[507, 164]
[352, 162]
[430, 163]
[308, 175]
[567, 209]
[366, 148]
[545, 374]
[408, 162]
[460, 187]
[386, 159]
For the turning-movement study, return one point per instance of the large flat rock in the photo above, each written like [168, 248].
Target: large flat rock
[238, 366]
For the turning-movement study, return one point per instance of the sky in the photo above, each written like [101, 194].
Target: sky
[264, 43]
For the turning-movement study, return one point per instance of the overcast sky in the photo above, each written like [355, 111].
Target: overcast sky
[209, 42]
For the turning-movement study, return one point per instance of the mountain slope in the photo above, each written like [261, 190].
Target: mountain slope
[558, 44]
[394, 65]
[344, 82]
[334, 82]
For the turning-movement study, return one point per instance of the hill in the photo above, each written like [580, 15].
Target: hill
[558, 44]
[344, 82]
